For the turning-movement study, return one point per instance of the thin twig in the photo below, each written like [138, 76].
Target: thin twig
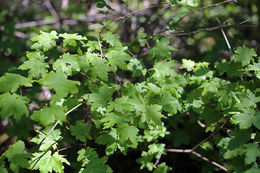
[198, 155]
[205, 7]
[210, 136]
[88, 78]
[182, 33]
[157, 161]
[100, 46]
[224, 35]
[75, 107]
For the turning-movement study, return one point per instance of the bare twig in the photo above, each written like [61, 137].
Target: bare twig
[224, 35]
[157, 161]
[100, 46]
[88, 78]
[182, 33]
[75, 107]
[210, 136]
[198, 155]
[205, 7]
[51, 9]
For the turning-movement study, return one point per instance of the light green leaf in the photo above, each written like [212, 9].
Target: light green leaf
[112, 39]
[70, 39]
[46, 162]
[99, 65]
[187, 64]
[252, 153]
[162, 49]
[45, 40]
[67, 64]
[117, 59]
[11, 82]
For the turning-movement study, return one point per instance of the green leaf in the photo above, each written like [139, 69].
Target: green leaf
[59, 82]
[162, 168]
[81, 131]
[45, 40]
[163, 69]
[137, 67]
[50, 141]
[99, 97]
[16, 155]
[70, 39]
[156, 149]
[13, 104]
[188, 64]
[244, 55]
[35, 64]
[252, 153]
[92, 163]
[117, 59]
[193, 3]
[170, 103]
[127, 132]
[46, 162]
[153, 113]
[112, 39]
[11, 82]
[162, 49]
[245, 120]
[110, 119]
[99, 65]
[67, 64]
[48, 115]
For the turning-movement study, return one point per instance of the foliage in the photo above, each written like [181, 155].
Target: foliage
[106, 97]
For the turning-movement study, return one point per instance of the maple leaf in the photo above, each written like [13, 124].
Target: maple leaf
[92, 163]
[67, 64]
[45, 40]
[13, 104]
[153, 114]
[163, 69]
[187, 64]
[48, 115]
[252, 153]
[81, 131]
[70, 39]
[162, 168]
[162, 49]
[11, 82]
[16, 155]
[48, 162]
[99, 97]
[110, 119]
[35, 64]
[59, 82]
[117, 58]
[50, 141]
[244, 55]
[127, 132]
[99, 65]
[112, 39]
[170, 103]
[137, 67]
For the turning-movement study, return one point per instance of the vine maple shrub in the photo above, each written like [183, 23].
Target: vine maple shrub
[91, 103]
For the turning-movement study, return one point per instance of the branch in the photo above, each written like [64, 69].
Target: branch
[88, 78]
[205, 7]
[51, 10]
[198, 155]
[182, 33]
[224, 35]
[210, 136]
[75, 107]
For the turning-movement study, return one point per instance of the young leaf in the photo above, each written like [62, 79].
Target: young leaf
[117, 59]
[67, 64]
[162, 49]
[70, 39]
[11, 82]
[46, 162]
[153, 114]
[112, 39]
[127, 132]
[13, 104]
[45, 40]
